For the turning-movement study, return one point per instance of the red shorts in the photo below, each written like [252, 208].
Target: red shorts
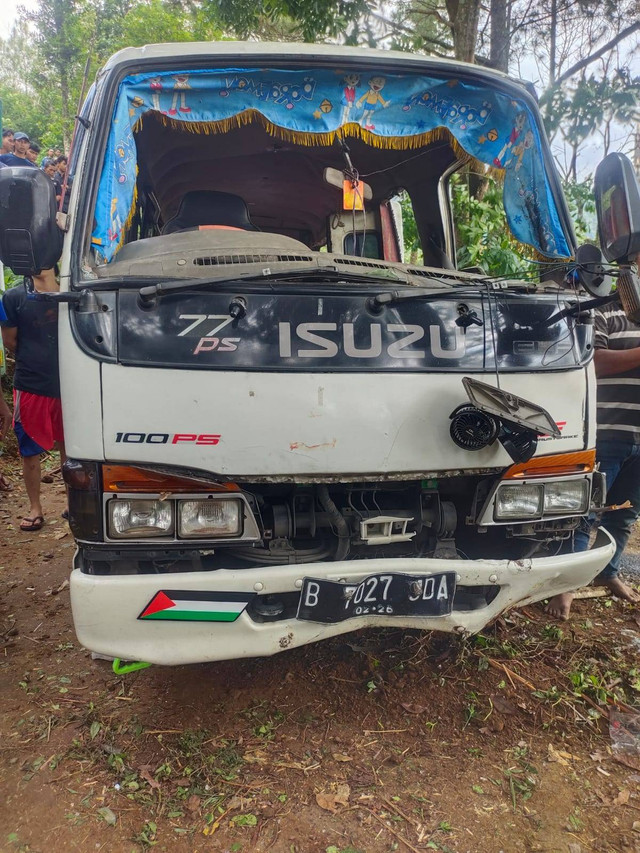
[40, 417]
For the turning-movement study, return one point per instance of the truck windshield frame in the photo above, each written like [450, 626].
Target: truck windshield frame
[101, 114]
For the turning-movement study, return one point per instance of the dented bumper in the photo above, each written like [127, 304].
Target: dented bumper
[107, 610]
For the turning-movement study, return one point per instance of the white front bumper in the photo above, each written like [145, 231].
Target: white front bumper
[106, 608]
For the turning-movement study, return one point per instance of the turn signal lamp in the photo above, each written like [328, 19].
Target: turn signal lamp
[554, 465]
[124, 478]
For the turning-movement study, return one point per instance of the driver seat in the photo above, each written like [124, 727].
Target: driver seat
[209, 208]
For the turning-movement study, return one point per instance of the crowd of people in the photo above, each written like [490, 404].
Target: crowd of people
[19, 150]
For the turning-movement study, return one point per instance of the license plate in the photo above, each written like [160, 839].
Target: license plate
[377, 595]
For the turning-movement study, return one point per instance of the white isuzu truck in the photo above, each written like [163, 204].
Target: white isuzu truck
[278, 428]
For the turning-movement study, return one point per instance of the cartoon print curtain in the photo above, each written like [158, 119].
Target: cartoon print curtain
[390, 111]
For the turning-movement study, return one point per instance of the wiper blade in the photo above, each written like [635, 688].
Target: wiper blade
[149, 294]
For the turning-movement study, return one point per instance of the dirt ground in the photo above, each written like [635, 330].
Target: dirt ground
[374, 742]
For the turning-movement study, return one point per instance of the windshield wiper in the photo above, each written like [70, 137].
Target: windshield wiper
[459, 288]
[148, 295]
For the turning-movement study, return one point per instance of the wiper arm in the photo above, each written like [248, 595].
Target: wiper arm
[459, 288]
[148, 295]
[388, 297]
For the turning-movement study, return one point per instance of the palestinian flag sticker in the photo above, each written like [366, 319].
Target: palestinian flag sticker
[196, 606]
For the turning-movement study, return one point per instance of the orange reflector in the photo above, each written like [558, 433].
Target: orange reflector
[122, 478]
[353, 195]
[581, 462]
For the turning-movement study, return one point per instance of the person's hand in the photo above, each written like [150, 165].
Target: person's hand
[5, 418]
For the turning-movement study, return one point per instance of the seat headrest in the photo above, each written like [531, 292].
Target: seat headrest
[209, 207]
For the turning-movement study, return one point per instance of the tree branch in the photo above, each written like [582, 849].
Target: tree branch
[587, 60]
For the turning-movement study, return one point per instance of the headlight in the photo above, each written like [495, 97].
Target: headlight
[522, 501]
[140, 518]
[566, 497]
[209, 518]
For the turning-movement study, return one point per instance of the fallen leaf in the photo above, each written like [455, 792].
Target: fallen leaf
[631, 761]
[560, 756]
[146, 775]
[598, 756]
[256, 756]
[107, 815]
[61, 534]
[623, 797]
[574, 847]
[503, 705]
[603, 771]
[635, 826]
[193, 803]
[327, 802]
[338, 796]
[413, 709]
[339, 756]
[342, 793]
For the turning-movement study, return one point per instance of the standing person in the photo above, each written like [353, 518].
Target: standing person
[48, 159]
[19, 157]
[617, 363]
[32, 153]
[5, 411]
[50, 172]
[7, 141]
[61, 166]
[31, 333]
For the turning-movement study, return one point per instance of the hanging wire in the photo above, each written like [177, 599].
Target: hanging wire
[493, 335]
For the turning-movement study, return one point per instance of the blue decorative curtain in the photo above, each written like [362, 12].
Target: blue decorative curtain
[311, 108]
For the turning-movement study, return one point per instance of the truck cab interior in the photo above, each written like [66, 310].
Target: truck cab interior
[247, 179]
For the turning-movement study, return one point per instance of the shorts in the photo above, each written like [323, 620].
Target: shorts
[37, 422]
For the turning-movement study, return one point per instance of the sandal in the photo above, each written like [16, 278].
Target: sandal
[30, 525]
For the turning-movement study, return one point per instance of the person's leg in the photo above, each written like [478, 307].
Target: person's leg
[32, 474]
[619, 523]
[30, 452]
[610, 457]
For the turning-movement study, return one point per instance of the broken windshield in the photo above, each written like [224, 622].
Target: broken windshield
[258, 141]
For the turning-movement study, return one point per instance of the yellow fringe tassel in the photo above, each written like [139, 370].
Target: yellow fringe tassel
[307, 138]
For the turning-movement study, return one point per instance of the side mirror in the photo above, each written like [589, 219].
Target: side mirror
[618, 207]
[30, 240]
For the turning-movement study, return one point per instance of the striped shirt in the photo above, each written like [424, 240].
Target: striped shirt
[618, 395]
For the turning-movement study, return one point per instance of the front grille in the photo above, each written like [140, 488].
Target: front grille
[221, 260]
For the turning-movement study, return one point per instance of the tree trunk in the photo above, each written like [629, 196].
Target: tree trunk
[64, 93]
[500, 35]
[464, 16]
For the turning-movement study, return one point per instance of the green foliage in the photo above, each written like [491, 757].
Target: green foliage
[412, 248]
[582, 207]
[11, 279]
[316, 19]
[43, 61]
[483, 238]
